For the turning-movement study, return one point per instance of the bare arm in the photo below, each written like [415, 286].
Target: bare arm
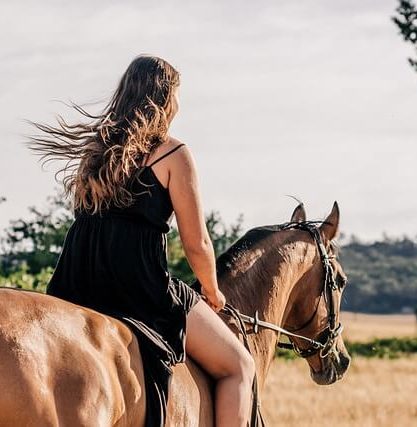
[186, 200]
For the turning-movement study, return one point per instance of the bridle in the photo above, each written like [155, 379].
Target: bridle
[325, 343]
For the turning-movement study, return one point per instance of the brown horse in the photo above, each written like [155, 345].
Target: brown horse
[65, 365]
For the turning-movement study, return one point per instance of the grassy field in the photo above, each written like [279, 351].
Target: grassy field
[366, 327]
[374, 392]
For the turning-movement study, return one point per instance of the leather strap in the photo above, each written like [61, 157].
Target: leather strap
[256, 419]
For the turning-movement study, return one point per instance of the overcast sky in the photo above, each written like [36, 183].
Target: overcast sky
[309, 98]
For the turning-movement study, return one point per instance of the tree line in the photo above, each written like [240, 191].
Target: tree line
[382, 275]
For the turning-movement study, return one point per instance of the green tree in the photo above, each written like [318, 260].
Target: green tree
[31, 247]
[382, 275]
[36, 242]
[406, 21]
[221, 236]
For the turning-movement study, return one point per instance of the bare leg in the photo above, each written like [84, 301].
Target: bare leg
[213, 345]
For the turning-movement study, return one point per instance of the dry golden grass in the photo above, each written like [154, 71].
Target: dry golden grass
[374, 393]
[366, 327]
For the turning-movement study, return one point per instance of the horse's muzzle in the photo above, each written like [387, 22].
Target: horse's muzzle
[334, 366]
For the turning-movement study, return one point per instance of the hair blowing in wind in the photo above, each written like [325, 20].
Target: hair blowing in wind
[103, 153]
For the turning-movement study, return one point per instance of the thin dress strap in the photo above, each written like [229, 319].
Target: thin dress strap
[166, 154]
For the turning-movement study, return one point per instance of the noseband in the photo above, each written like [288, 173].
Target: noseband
[326, 341]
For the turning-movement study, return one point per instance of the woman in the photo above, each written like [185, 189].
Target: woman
[127, 178]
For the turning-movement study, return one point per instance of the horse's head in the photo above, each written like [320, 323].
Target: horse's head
[287, 275]
[314, 303]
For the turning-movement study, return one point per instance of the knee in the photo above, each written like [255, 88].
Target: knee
[246, 365]
[240, 364]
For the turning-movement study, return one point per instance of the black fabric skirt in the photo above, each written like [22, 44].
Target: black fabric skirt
[118, 266]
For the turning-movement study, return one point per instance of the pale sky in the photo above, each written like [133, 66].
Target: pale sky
[309, 98]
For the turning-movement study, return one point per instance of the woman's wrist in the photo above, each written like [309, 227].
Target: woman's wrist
[210, 290]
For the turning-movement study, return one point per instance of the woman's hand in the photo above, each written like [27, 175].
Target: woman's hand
[216, 300]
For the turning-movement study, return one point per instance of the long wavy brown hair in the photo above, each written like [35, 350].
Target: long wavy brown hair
[103, 153]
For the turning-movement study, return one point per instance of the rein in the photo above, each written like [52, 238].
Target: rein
[256, 323]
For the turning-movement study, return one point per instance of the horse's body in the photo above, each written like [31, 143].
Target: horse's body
[62, 364]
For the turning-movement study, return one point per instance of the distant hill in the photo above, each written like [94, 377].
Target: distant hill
[382, 276]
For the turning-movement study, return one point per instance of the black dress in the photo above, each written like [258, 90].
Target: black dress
[116, 263]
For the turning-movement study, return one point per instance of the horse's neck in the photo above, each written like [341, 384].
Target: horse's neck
[268, 293]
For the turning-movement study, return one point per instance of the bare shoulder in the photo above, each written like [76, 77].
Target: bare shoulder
[182, 166]
[174, 143]
[164, 148]
[183, 154]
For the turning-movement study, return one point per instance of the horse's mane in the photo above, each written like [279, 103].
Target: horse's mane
[253, 236]
[226, 261]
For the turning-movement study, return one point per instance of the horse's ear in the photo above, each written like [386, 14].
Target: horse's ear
[299, 214]
[330, 227]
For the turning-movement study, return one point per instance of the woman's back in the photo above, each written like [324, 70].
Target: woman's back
[152, 203]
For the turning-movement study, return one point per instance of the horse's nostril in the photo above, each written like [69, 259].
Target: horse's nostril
[344, 361]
